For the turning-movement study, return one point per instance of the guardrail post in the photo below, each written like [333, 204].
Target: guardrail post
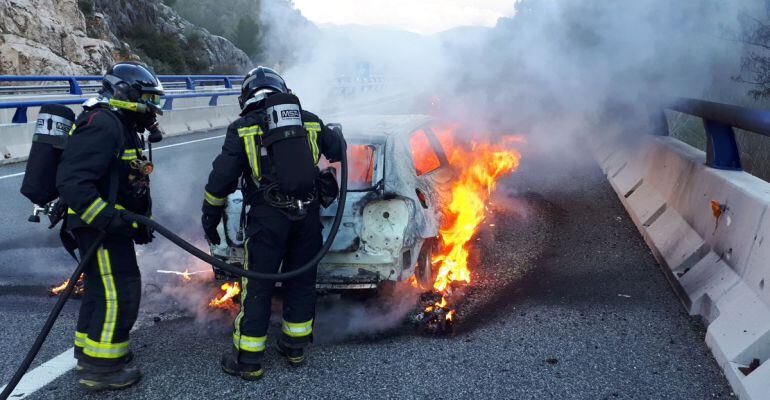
[228, 83]
[722, 149]
[74, 87]
[189, 83]
[168, 104]
[213, 101]
[20, 116]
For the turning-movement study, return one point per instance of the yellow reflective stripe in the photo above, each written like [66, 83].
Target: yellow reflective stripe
[71, 130]
[80, 339]
[93, 210]
[244, 290]
[250, 131]
[249, 343]
[252, 150]
[105, 349]
[299, 329]
[213, 200]
[110, 295]
[252, 154]
[130, 154]
[312, 129]
[126, 105]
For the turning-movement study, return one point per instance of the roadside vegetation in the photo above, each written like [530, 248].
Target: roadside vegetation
[753, 83]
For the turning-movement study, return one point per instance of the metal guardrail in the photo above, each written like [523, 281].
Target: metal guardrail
[75, 88]
[719, 121]
[20, 115]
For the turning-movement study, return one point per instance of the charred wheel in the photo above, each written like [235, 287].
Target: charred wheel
[424, 269]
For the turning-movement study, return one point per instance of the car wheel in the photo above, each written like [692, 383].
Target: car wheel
[424, 269]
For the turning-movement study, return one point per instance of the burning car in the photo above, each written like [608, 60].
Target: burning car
[399, 178]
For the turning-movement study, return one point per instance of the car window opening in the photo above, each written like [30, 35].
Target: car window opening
[424, 156]
[360, 167]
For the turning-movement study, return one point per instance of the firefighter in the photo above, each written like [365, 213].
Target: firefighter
[102, 173]
[273, 149]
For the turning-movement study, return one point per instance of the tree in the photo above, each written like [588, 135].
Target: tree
[246, 36]
[755, 64]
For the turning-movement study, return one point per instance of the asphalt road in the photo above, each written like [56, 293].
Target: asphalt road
[567, 302]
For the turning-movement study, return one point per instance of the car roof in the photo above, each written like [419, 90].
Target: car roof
[380, 126]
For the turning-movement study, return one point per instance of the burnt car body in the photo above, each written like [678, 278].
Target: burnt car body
[398, 180]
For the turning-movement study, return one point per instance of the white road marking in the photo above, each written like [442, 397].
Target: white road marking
[155, 148]
[11, 175]
[191, 141]
[44, 374]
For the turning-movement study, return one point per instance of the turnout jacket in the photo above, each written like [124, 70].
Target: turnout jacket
[239, 154]
[101, 139]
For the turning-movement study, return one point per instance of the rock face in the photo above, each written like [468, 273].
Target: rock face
[49, 37]
[54, 37]
[126, 17]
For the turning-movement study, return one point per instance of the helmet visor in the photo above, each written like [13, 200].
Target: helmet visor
[152, 101]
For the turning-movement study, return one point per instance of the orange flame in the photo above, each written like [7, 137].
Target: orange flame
[225, 300]
[480, 165]
[186, 275]
[56, 290]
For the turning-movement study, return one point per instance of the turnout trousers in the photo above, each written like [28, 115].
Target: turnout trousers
[110, 304]
[274, 241]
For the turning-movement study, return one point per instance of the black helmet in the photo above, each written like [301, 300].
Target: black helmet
[260, 79]
[131, 86]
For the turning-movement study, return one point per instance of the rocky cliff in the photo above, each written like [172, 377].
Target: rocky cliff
[48, 37]
[169, 42]
[63, 37]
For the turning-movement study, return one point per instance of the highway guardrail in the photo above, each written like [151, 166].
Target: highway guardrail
[708, 224]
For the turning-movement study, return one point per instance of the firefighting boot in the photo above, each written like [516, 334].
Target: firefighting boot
[83, 365]
[116, 379]
[295, 356]
[249, 372]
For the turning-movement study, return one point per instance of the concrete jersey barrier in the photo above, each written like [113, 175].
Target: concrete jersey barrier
[710, 231]
[16, 139]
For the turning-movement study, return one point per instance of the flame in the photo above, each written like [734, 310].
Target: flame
[79, 288]
[225, 300]
[480, 164]
[186, 275]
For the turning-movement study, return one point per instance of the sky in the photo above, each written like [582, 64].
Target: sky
[420, 16]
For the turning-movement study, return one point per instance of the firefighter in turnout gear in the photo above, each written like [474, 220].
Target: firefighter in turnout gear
[273, 149]
[102, 173]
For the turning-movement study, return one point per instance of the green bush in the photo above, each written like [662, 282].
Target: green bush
[163, 52]
[86, 6]
[167, 54]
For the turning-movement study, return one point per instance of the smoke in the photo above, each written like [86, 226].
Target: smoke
[338, 319]
[554, 69]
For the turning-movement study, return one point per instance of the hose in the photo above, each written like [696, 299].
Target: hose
[52, 316]
[187, 246]
[190, 248]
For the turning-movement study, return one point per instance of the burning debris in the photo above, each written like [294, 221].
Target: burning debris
[226, 299]
[480, 164]
[76, 293]
[436, 312]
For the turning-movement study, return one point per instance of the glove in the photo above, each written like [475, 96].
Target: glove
[328, 189]
[144, 235]
[119, 226]
[210, 219]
